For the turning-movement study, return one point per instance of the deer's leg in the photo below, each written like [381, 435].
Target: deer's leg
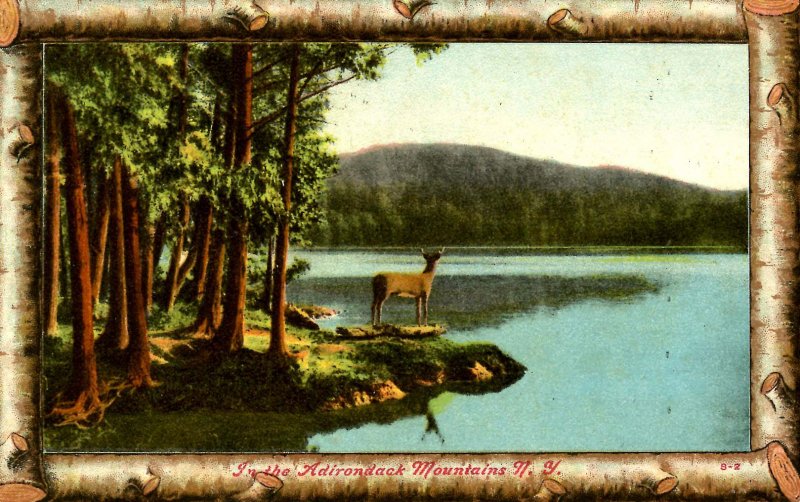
[425, 305]
[378, 307]
[419, 310]
[377, 303]
[379, 295]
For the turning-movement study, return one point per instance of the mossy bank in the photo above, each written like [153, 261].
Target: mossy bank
[248, 401]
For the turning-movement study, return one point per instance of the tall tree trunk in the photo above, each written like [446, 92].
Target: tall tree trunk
[148, 237]
[201, 243]
[209, 315]
[269, 275]
[63, 282]
[205, 209]
[52, 224]
[277, 342]
[171, 284]
[116, 330]
[152, 258]
[83, 388]
[230, 337]
[186, 266]
[139, 347]
[99, 238]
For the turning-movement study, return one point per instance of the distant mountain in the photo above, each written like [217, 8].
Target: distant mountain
[448, 194]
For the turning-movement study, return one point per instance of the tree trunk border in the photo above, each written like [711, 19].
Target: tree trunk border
[766, 472]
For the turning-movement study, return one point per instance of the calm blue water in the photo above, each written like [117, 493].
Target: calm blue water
[664, 371]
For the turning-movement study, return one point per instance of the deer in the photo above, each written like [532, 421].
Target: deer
[417, 286]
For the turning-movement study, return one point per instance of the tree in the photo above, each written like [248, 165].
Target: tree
[209, 313]
[313, 69]
[139, 346]
[277, 340]
[116, 330]
[100, 237]
[174, 280]
[82, 393]
[230, 337]
[123, 116]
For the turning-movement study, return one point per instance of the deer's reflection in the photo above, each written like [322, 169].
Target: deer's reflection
[431, 426]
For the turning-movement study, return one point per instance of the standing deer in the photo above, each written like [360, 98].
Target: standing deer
[417, 286]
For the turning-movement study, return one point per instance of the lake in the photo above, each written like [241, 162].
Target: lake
[625, 352]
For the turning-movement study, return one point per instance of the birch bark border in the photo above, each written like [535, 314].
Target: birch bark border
[770, 27]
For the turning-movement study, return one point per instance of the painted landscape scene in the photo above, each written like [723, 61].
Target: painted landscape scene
[357, 247]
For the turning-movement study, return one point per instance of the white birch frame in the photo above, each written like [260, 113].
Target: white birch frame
[769, 27]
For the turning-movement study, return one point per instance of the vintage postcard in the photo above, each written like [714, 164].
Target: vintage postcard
[390, 250]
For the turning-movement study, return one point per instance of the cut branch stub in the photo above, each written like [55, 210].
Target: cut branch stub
[663, 486]
[263, 486]
[402, 9]
[250, 16]
[564, 21]
[409, 10]
[18, 492]
[13, 451]
[771, 7]
[774, 388]
[783, 471]
[269, 481]
[9, 21]
[22, 141]
[145, 485]
[781, 100]
[776, 94]
[19, 442]
[151, 485]
[550, 491]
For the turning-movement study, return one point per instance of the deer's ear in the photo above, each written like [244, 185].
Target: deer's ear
[421, 250]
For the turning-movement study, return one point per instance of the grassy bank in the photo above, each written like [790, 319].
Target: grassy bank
[245, 402]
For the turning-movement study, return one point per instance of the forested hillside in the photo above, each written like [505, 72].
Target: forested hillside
[447, 194]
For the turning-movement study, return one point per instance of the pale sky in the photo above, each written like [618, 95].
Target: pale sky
[677, 110]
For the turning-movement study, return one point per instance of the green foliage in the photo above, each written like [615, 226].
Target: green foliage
[133, 110]
[410, 361]
[257, 271]
[125, 110]
[296, 269]
[426, 52]
[181, 316]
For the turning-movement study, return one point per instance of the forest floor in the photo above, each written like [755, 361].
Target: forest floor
[245, 402]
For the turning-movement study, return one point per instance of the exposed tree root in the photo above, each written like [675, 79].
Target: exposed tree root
[84, 412]
[87, 410]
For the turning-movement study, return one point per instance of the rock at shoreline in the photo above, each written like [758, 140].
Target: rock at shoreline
[389, 330]
[387, 390]
[318, 312]
[379, 392]
[299, 318]
[479, 372]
